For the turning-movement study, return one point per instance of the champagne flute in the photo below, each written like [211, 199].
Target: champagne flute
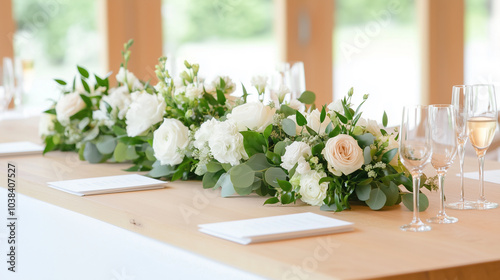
[459, 95]
[415, 151]
[482, 119]
[444, 150]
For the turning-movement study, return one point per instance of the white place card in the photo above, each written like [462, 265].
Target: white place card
[109, 184]
[492, 176]
[19, 148]
[276, 228]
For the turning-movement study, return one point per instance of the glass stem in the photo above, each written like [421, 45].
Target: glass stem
[416, 191]
[461, 157]
[481, 178]
[441, 175]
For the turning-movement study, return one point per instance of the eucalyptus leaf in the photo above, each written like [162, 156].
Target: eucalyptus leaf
[363, 192]
[213, 166]
[120, 152]
[159, 170]
[325, 207]
[106, 144]
[242, 176]
[391, 192]
[365, 139]
[91, 153]
[273, 174]
[280, 148]
[367, 155]
[258, 162]
[131, 154]
[227, 188]
[210, 179]
[150, 153]
[377, 199]
[287, 110]
[408, 201]
[289, 127]
[307, 97]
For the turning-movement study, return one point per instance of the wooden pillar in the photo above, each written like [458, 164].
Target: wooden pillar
[137, 20]
[7, 29]
[442, 37]
[305, 30]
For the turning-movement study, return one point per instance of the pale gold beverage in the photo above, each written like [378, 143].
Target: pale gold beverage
[481, 131]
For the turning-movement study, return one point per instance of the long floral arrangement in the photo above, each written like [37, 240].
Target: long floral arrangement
[188, 128]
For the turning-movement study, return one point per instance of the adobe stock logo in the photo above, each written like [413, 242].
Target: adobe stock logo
[364, 36]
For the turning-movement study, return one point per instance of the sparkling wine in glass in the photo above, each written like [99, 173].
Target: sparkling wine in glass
[415, 152]
[482, 119]
[458, 100]
[444, 150]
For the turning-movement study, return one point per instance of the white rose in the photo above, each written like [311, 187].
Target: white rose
[132, 82]
[119, 99]
[343, 153]
[295, 152]
[253, 115]
[171, 137]
[226, 143]
[370, 126]
[259, 82]
[311, 191]
[313, 121]
[69, 105]
[46, 124]
[146, 109]
[194, 91]
[336, 106]
[203, 134]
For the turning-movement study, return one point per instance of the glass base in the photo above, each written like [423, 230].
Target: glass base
[442, 219]
[415, 227]
[485, 205]
[462, 205]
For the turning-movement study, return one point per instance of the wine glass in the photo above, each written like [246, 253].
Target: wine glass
[288, 82]
[415, 151]
[6, 83]
[459, 95]
[482, 119]
[444, 150]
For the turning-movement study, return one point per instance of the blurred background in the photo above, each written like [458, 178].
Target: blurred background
[398, 51]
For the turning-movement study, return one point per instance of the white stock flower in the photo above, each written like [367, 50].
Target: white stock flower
[119, 99]
[145, 110]
[259, 82]
[296, 153]
[370, 126]
[343, 154]
[169, 140]
[194, 91]
[46, 124]
[253, 115]
[69, 105]
[226, 143]
[132, 82]
[203, 134]
[311, 191]
[313, 121]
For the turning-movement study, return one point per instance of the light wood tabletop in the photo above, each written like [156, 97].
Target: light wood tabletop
[376, 249]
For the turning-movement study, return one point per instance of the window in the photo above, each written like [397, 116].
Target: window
[54, 36]
[376, 51]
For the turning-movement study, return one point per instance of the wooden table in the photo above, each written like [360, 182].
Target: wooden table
[377, 249]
